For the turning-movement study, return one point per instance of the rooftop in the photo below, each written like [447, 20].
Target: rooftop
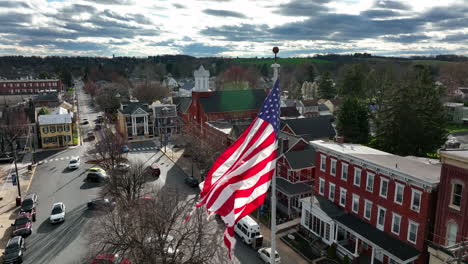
[48, 80]
[55, 119]
[311, 128]
[424, 171]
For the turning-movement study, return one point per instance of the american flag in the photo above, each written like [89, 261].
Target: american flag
[238, 181]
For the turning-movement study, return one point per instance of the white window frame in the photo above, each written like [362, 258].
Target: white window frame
[381, 185]
[330, 185]
[412, 223]
[396, 216]
[370, 175]
[344, 171]
[333, 167]
[452, 193]
[381, 226]
[367, 204]
[323, 163]
[353, 203]
[356, 170]
[413, 192]
[321, 186]
[396, 193]
[343, 191]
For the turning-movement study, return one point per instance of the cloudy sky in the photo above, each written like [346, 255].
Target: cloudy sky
[243, 28]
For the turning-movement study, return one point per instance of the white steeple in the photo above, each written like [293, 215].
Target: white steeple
[202, 77]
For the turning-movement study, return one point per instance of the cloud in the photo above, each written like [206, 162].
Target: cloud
[302, 8]
[244, 32]
[111, 2]
[407, 38]
[391, 4]
[13, 4]
[223, 13]
[179, 6]
[202, 50]
[380, 13]
[65, 45]
[462, 37]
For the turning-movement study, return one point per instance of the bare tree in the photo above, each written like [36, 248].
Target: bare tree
[126, 185]
[151, 230]
[150, 91]
[108, 150]
[13, 125]
[106, 97]
[238, 78]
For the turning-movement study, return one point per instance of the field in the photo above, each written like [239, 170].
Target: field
[281, 61]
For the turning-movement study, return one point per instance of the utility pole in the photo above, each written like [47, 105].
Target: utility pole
[17, 174]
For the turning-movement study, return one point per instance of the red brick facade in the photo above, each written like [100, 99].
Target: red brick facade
[29, 86]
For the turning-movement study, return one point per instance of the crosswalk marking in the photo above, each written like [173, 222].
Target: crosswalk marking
[61, 158]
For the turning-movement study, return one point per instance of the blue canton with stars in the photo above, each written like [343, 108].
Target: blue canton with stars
[270, 110]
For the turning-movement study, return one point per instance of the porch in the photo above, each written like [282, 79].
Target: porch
[289, 196]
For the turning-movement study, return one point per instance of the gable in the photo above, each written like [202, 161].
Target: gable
[139, 111]
[287, 129]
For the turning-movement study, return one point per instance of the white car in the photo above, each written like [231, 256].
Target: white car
[58, 213]
[264, 254]
[74, 163]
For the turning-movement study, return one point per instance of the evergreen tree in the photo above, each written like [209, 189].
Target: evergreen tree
[353, 82]
[326, 89]
[411, 119]
[264, 70]
[353, 121]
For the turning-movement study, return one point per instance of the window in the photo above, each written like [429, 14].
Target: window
[455, 200]
[331, 191]
[381, 218]
[396, 221]
[323, 162]
[357, 177]
[45, 130]
[415, 200]
[367, 209]
[370, 182]
[355, 205]
[52, 129]
[452, 230]
[333, 167]
[67, 128]
[321, 186]
[344, 171]
[59, 128]
[342, 197]
[399, 188]
[412, 231]
[383, 187]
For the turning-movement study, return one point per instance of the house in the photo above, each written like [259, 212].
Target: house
[182, 105]
[289, 112]
[374, 206]
[333, 105]
[166, 122]
[56, 129]
[135, 121]
[451, 222]
[308, 108]
[455, 112]
[324, 110]
[49, 99]
[295, 171]
[462, 92]
[310, 128]
[10, 87]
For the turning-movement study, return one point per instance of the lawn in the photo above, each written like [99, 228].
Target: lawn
[300, 245]
[457, 128]
[281, 61]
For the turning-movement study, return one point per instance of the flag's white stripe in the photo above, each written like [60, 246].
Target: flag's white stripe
[235, 155]
[225, 167]
[241, 185]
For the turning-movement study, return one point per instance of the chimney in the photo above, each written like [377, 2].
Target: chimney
[339, 139]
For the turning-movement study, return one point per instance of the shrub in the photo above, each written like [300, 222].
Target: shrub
[346, 260]
[331, 251]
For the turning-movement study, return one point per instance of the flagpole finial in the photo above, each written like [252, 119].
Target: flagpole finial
[275, 65]
[275, 51]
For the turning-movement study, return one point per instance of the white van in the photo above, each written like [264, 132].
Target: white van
[247, 229]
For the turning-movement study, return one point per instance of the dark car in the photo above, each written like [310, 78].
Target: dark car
[90, 135]
[191, 181]
[96, 177]
[22, 225]
[97, 127]
[14, 250]
[101, 204]
[6, 157]
[29, 205]
[85, 122]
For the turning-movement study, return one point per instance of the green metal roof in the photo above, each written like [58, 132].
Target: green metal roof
[233, 101]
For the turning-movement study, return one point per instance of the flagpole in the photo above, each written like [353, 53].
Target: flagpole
[275, 67]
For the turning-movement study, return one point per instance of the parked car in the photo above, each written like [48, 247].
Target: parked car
[110, 259]
[14, 250]
[58, 213]
[29, 205]
[74, 163]
[6, 157]
[122, 167]
[154, 170]
[85, 122]
[97, 176]
[191, 181]
[97, 127]
[90, 135]
[101, 204]
[125, 149]
[265, 253]
[22, 225]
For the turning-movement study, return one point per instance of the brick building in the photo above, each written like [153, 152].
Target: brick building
[451, 223]
[10, 87]
[375, 207]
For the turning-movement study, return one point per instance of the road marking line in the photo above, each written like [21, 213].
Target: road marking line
[61, 158]
[56, 159]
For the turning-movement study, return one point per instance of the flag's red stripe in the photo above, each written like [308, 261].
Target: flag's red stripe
[229, 232]
[223, 157]
[250, 207]
[244, 176]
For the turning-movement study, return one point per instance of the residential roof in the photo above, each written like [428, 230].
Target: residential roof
[301, 159]
[427, 172]
[328, 207]
[383, 240]
[54, 119]
[48, 96]
[165, 110]
[290, 189]
[233, 101]
[288, 102]
[182, 103]
[463, 90]
[289, 111]
[131, 107]
[311, 127]
[188, 86]
[310, 102]
[323, 107]
[292, 139]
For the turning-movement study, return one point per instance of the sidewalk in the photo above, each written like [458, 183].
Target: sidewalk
[8, 193]
[288, 255]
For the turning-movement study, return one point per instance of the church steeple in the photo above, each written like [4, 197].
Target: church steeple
[202, 77]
